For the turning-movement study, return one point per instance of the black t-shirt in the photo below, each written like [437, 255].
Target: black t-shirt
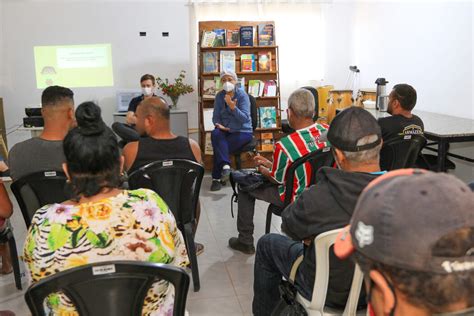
[397, 125]
[132, 106]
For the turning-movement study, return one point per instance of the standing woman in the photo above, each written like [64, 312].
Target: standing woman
[102, 222]
[233, 126]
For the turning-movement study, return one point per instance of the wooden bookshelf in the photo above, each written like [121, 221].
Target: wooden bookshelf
[207, 103]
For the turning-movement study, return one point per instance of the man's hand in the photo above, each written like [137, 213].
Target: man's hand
[231, 103]
[222, 127]
[262, 161]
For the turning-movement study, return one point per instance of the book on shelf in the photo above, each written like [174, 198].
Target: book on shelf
[270, 88]
[267, 117]
[207, 119]
[264, 61]
[217, 79]
[208, 150]
[247, 63]
[241, 82]
[254, 88]
[246, 36]
[227, 60]
[208, 38]
[209, 89]
[232, 37]
[219, 41]
[266, 142]
[210, 62]
[265, 35]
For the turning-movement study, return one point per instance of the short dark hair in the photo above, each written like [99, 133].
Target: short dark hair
[92, 153]
[54, 94]
[406, 95]
[147, 77]
[433, 291]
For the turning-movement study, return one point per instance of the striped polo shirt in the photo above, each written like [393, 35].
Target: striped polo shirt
[289, 149]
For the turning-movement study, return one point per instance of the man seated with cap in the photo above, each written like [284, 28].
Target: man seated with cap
[356, 141]
[412, 234]
[401, 102]
[233, 126]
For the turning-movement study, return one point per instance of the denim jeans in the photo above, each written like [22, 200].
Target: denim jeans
[273, 260]
[223, 144]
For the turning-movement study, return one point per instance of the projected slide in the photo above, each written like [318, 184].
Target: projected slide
[74, 66]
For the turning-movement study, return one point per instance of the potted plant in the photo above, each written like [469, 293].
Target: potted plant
[176, 89]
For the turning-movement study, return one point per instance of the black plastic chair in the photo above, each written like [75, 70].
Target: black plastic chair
[39, 189]
[401, 152]
[285, 125]
[178, 182]
[317, 159]
[114, 288]
[6, 236]
[250, 146]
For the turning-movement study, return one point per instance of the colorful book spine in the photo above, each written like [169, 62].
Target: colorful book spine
[220, 38]
[265, 61]
[265, 35]
[208, 38]
[247, 62]
[210, 62]
[232, 37]
[228, 60]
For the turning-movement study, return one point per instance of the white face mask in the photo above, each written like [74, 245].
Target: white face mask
[147, 91]
[228, 86]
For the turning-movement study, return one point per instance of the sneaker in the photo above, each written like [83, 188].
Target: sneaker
[236, 244]
[225, 173]
[216, 185]
[199, 248]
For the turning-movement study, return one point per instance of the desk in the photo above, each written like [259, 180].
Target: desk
[443, 130]
[35, 131]
[178, 121]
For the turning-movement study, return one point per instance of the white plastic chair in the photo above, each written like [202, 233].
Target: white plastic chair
[323, 243]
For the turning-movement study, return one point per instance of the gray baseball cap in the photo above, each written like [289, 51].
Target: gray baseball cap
[401, 216]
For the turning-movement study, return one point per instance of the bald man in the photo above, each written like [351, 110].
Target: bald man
[45, 153]
[157, 142]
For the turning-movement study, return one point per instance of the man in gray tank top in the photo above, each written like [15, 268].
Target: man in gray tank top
[45, 152]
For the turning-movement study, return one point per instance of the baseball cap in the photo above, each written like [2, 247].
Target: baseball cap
[228, 73]
[401, 215]
[349, 126]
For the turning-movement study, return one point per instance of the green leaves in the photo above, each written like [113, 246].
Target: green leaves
[58, 236]
[100, 240]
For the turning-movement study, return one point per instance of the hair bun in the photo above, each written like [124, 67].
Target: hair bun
[89, 119]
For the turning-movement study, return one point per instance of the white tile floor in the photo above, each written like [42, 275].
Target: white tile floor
[226, 275]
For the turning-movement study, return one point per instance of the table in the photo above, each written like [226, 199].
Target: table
[443, 130]
[178, 121]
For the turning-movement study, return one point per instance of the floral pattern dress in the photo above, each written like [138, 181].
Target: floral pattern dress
[133, 225]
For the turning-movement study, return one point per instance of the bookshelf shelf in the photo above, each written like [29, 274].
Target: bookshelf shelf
[205, 80]
[205, 49]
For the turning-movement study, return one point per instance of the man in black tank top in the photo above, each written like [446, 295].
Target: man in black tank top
[157, 142]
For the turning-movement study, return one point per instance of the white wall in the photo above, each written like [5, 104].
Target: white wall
[30, 23]
[426, 44]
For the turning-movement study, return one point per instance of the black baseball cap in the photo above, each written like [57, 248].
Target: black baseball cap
[401, 215]
[349, 126]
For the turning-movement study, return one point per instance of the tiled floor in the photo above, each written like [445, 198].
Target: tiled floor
[226, 275]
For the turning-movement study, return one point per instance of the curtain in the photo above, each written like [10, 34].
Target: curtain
[299, 33]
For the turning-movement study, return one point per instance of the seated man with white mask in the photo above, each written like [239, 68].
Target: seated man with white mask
[127, 131]
[233, 124]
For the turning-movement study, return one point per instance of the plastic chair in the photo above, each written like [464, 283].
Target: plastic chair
[114, 288]
[6, 236]
[39, 189]
[317, 159]
[250, 146]
[401, 152]
[178, 182]
[316, 307]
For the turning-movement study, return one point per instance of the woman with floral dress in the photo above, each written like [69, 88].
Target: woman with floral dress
[103, 222]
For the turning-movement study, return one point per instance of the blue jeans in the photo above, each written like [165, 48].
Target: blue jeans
[273, 260]
[223, 144]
